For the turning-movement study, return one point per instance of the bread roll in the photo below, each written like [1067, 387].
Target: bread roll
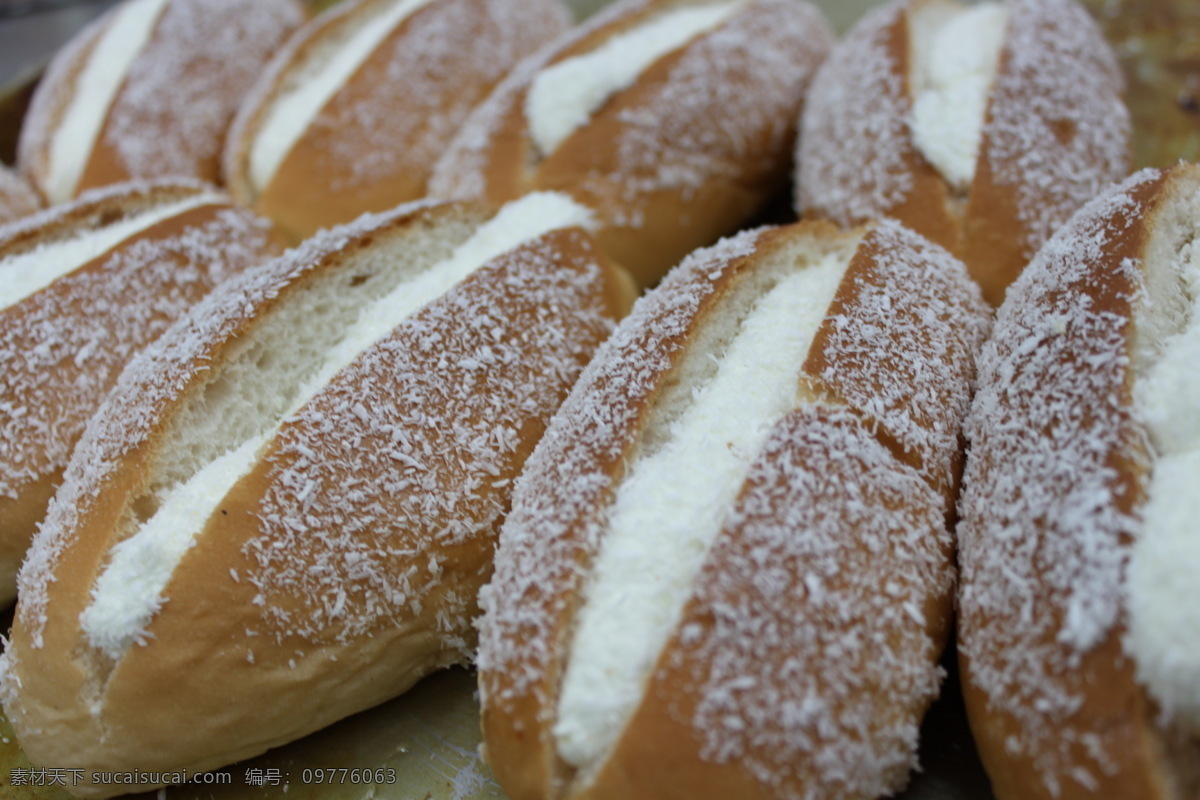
[17, 198]
[728, 571]
[673, 119]
[982, 127]
[283, 513]
[1079, 607]
[354, 111]
[89, 284]
[147, 91]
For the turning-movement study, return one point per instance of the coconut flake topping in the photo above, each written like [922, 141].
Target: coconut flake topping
[955, 57]
[1044, 543]
[670, 507]
[309, 88]
[563, 96]
[100, 78]
[28, 272]
[118, 615]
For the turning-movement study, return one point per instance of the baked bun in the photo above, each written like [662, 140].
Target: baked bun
[673, 119]
[88, 285]
[17, 198]
[982, 127]
[1079, 627]
[352, 114]
[284, 511]
[147, 91]
[728, 571]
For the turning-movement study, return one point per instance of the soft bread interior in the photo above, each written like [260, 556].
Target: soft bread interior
[30, 271]
[318, 75]
[281, 365]
[96, 86]
[738, 378]
[1164, 593]
[954, 55]
[563, 96]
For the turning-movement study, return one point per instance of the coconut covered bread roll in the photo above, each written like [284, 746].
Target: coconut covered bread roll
[87, 286]
[17, 198]
[147, 91]
[283, 513]
[728, 572]
[1079, 606]
[352, 114]
[673, 119]
[982, 127]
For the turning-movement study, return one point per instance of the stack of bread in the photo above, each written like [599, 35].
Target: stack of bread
[708, 550]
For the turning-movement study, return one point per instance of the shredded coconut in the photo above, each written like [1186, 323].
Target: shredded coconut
[806, 639]
[900, 348]
[1056, 130]
[543, 535]
[314, 83]
[30, 271]
[127, 418]
[182, 89]
[854, 140]
[1164, 595]
[1057, 133]
[118, 615]
[563, 96]
[62, 348]
[368, 485]
[104, 72]
[1164, 601]
[415, 91]
[726, 110]
[951, 72]
[1043, 541]
[639, 584]
[563, 507]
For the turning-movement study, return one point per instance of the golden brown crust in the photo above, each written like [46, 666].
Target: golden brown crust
[516, 720]
[1056, 132]
[374, 144]
[47, 106]
[63, 347]
[926, 207]
[247, 618]
[694, 148]
[858, 487]
[170, 114]
[1050, 690]
[899, 324]
[553, 533]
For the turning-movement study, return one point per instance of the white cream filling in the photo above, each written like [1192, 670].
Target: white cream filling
[130, 590]
[96, 87]
[30, 272]
[1164, 575]
[955, 55]
[563, 97]
[312, 84]
[123, 605]
[672, 505]
[1164, 579]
